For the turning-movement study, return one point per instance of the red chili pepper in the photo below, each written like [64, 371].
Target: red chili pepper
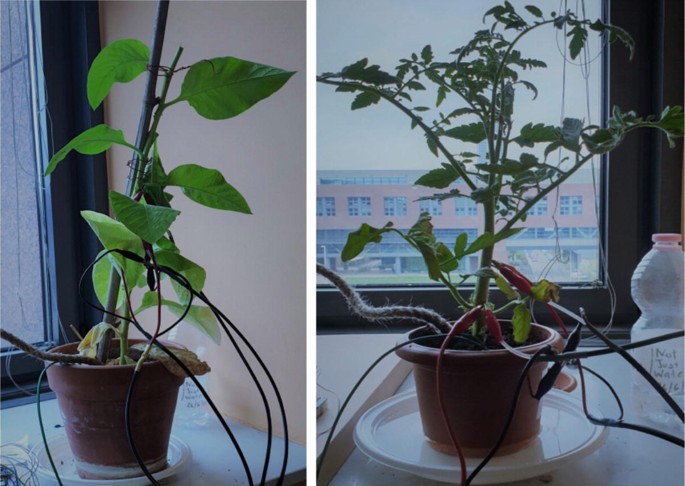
[466, 320]
[493, 326]
[514, 277]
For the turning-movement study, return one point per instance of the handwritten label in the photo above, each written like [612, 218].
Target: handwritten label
[666, 365]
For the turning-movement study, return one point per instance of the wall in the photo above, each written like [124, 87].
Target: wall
[255, 264]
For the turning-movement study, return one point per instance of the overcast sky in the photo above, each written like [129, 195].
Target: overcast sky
[387, 30]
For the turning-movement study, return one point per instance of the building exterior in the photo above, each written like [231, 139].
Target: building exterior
[561, 227]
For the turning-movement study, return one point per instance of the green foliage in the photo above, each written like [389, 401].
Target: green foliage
[477, 83]
[224, 87]
[217, 89]
[121, 61]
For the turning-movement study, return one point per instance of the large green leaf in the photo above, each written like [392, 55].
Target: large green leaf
[438, 178]
[521, 323]
[121, 61]
[132, 272]
[207, 187]
[150, 223]
[93, 141]
[224, 87]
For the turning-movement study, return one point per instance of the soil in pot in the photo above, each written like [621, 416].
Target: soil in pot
[478, 389]
[92, 402]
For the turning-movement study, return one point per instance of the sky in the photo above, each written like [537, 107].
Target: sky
[385, 31]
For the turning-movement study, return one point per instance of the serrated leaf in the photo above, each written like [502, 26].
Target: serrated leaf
[438, 178]
[473, 133]
[532, 134]
[207, 187]
[357, 240]
[121, 61]
[364, 99]
[149, 222]
[427, 54]
[224, 87]
[578, 37]
[93, 141]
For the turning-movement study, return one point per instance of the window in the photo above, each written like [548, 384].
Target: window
[431, 206]
[570, 205]
[43, 81]
[395, 206]
[539, 209]
[464, 206]
[643, 176]
[325, 206]
[359, 206]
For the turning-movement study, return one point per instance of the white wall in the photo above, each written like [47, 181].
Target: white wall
[255, 264]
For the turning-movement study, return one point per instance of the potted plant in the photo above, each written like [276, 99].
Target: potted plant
[475, 93]
[130, 386]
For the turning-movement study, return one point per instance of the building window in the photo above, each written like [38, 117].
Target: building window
[570, 205]
[539, 209]
[465, 206]
[325, 206]
[359, 206]
[431, 206]
[395, 206]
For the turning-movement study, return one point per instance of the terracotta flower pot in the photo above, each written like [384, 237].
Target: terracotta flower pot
[478, 389]
[92, 399]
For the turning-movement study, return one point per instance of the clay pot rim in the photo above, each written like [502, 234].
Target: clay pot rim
[414, 352]
[68, 347]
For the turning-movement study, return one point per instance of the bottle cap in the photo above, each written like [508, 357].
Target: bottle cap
[666, 238]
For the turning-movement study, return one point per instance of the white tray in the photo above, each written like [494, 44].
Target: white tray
[177, 456]
[391, 433]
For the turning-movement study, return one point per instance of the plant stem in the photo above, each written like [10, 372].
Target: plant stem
[141, 139]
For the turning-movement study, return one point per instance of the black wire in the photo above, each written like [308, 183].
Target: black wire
[129, 432]
[184, 282]
[619, 423]
[635, 364]
[510, 415]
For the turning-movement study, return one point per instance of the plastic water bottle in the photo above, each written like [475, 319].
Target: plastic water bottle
[657, 289]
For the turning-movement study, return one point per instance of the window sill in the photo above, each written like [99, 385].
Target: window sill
[213, 461]
[341, 361]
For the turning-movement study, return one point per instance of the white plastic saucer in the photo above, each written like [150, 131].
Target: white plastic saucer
[391, 433]
[177, 456]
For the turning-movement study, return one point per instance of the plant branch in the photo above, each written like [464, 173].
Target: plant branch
[429, 133]
[385, 313]
[46, 356]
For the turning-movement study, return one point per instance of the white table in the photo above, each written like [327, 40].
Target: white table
[627, 458]
[214, 461]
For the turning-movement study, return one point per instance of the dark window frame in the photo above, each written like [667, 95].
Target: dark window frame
[644, 175]
[70, 40]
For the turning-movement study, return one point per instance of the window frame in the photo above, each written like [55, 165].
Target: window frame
[69, 40]
[643, 176]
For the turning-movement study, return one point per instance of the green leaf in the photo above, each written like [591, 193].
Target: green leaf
[93, 141]
[534, 10]
[427, 54]
[100, 276]
[488, 239]
[192, 272]
[438, 178]
[505, 288]
[474, 133]
[578, 37]
[532, 134]
[460, 244]
[521, 323]
[200, 317]
[121, 61]
[357, 240]
[224, 87]
[150, 223]
[113, 234]
[364, 99]
[372, 74]
[207, 187]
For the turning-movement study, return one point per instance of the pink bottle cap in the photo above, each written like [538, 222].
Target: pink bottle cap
[666, 238]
